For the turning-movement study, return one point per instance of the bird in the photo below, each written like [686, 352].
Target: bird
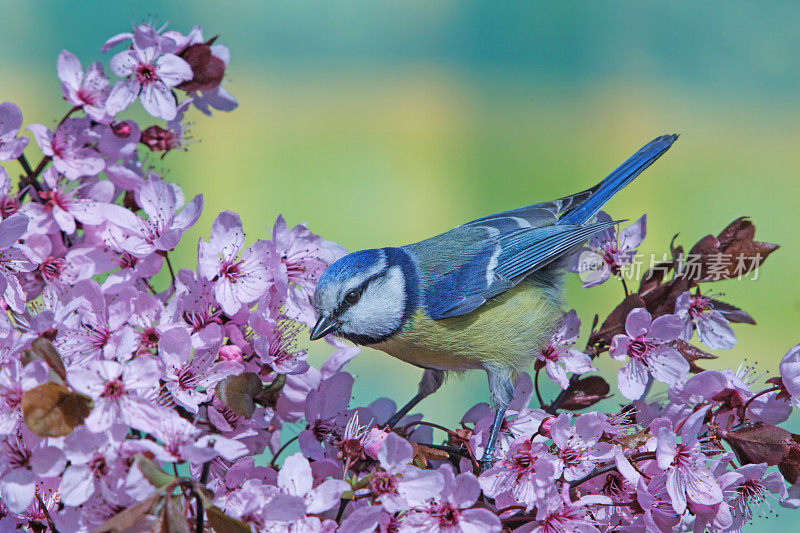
[485, 295]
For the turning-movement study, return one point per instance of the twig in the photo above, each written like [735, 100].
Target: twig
[25, 166]
[171, 272]
[753, 397]
[342, 504]
[204, 473]
[450, 432]
[199, 516]
[536, 387]
[624, 285]
[47, 516]
[608, 468]
[280, 450]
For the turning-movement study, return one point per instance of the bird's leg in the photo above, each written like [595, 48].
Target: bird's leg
[502, 391]
[488, 452]
[431, 380]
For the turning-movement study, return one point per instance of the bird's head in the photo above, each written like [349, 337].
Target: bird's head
[366, 296]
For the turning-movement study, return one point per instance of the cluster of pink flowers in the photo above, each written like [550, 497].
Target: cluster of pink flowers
[131, 403]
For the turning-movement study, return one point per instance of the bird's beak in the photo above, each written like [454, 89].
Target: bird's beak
[324, 326]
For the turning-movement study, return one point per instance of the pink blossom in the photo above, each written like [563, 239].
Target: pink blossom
[579, 449]
[24, 460]
[88, 92]
[325, 411]
[562, 514]
[66, 203]
[118, 141]
[527, 473]
[750, 486]
[302, 258]
[164, 226]
[14, 381]
[13, 261]
[607, 252]
[148, 74]
[97, 324]
[69, 146]
[698, 313]
[688, 477]
[559, 357]
[185, 372]
[451, 510]
[9, 204]
[238, 281]
[180, 441]
[276, 343]
[58, 266]
[649, 354]
[123, 392]
[94, 464]
[295, 479]
[399, 485]
[11, 146]
[789, 368]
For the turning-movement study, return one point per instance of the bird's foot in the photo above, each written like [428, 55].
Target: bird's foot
[486, 462]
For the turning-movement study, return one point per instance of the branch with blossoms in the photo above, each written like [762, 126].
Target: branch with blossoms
[131, 404]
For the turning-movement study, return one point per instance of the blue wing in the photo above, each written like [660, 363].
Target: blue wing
[500, 263]
[466, 266]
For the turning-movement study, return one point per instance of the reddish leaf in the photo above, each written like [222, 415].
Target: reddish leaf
[790, 466]
[42, 348]
[731, 254]
[661, 300]
[238, 393]
[691, 353]
[132, 517]
[222, 523]
[761, 443]
[585, 392]
[654, 276]
[741, 229]
[52, 410]
[615, 322]
[732, 313]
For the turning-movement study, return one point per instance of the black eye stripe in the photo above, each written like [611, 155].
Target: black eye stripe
[344, 305]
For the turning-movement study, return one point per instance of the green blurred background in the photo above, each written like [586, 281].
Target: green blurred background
[381, 123]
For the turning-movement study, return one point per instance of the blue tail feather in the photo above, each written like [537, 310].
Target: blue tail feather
[618, 179]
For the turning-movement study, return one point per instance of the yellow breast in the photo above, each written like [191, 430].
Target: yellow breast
[502, 333]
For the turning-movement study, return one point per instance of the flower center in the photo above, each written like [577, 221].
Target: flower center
[146, 73]
[383, 483]
[86, 97]
[8, 206]
[149, 338]
[51, 268]
[698, 305]
[98, 465]
[187, 379]
[638, 347]
[231, 271]
[113, 390]
[447, 515]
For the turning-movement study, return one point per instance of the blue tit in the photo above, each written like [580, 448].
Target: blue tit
[485, 295]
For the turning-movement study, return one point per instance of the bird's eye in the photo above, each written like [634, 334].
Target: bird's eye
[352, 297]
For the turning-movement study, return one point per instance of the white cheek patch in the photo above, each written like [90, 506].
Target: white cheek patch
[380, 309]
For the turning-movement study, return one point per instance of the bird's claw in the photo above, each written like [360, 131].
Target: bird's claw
[486, 462]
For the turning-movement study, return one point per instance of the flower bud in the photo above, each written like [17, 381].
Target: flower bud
[207, 69]
[159, 140]
[230, 352]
